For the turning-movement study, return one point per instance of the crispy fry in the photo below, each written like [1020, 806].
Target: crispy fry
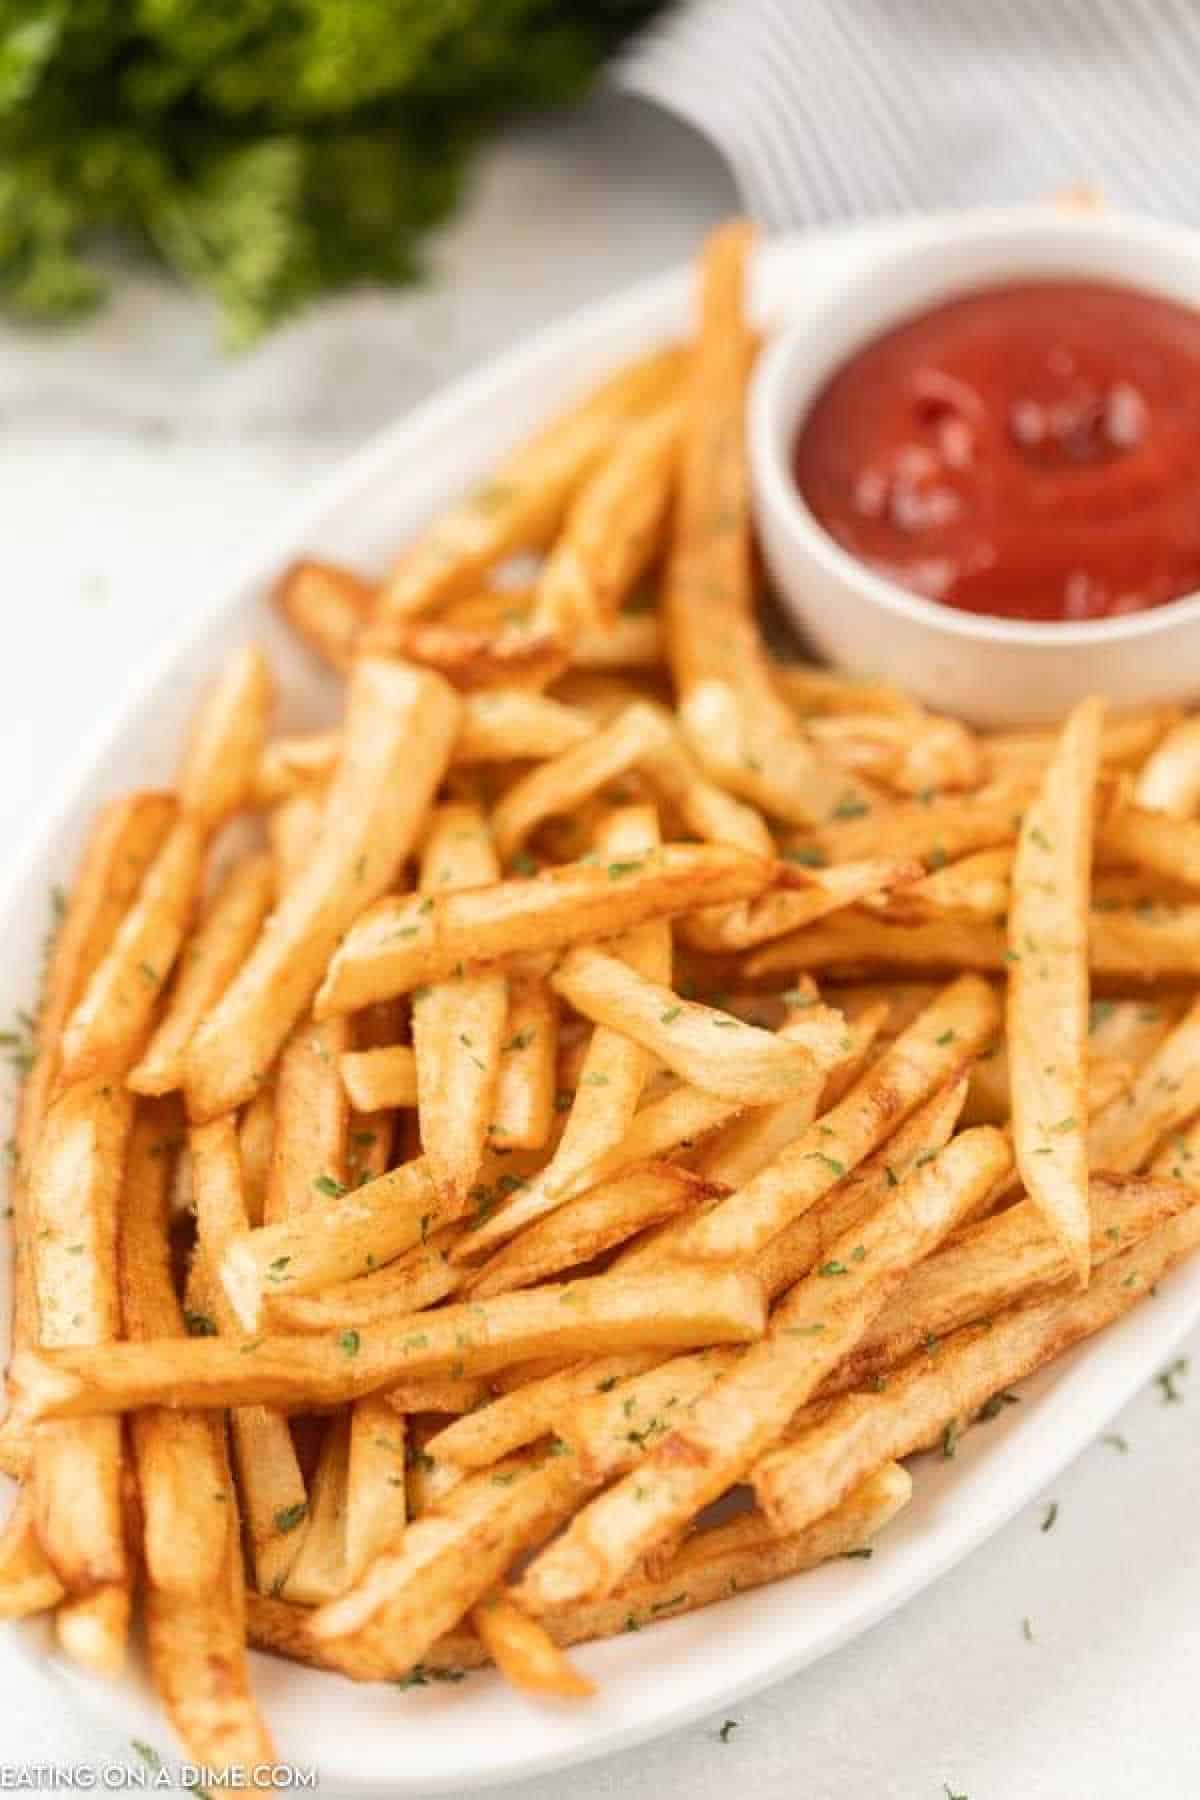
[93, 1629]
[326, 606]
[27, 1582]
[436, 1394]
[511, 723]
[397, 946]
[634, 640]
[419, 1278]
[376, 1079]
[820, 693]
[532, 1411]
[1170, 778]
[803, 1480]
[295, 765]
[74, 1188]
[1164, 1095]
[734, 1421]
[671, 1310]
[1048, 984]
[272, 1487]
[293, 828]
[1126, 739]
[613, 531]
[523, 1108]
[109, 1027]
[319, 1571]
[216, 773]
[938, 829]
[916, 755]
[973, 888]
[400, 726]
[179, 1456]
[256, 1138]
[562, 784]
[471, 661]
[824, 891]
[458, 1026]
[587, 1226]
[208, 962]
[524, 1652]
[740, 729]
[1155, 841]
[308, 1150]
[703, 1046]
[922, 1059]
[522, 505]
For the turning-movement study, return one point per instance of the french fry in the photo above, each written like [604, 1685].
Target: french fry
[197, 1654]
[301, 764]
[703, 1046]
[28, 1584]
[379, 1079]
[458, 1026]
[207, 963]
[672, 1310]
[319, 1571]
[524, 1652]
[521, 507]
[740, 1415]
[590, 1224]
[916, 755]
[326, 606]
[1169, 780]
[920, 1061]
[216, 772]
[523, 1107]
[559, 786]
[471, 661]
[400, 726]
[74, 1190]
[1155, 841]
[419, 1278]
[512, 723]
[293, 828]
[634, 640]
[740, 729]
[111, 1023]
[1001, 1262]
[814, 692]
[774, 915]
[311, 1119]
[612, 532]
[1165, 1094]
[1126, 740]
[179, 1456]
[272, 1486]
[936, 1392]
[255, 1140]
[976, 887]
[1047, 1014]
[436, 1394]
[935, 830]
[93, 1629]
[376, 1501]
[532, 1411]
[397, 946]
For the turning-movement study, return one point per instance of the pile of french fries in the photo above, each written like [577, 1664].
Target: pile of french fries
[609, 1076]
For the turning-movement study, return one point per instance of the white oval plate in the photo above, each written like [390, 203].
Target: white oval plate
[470, 1735]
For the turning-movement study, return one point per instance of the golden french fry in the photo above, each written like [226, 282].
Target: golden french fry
[216, 772]
[740, 729]
[326, 606]
[523, 1107]
[75, 1186]
[820, 693]
[179, 1456]
[1048, 984]
[976, 887]
[562, 784]
[272, 1486]
[320, 1571]
[458, 1026]
[594, 1222]
[208, 962]
[1126, 740]
[311, 1120]
[256, 1138]
[936, 1392]
[1165, 1094]
[916, 754]
[400, 726]
[1001, 1262]
[93, 1629]
[512, 723]
[735, 1420]
[293, 827]
[378, 1079]
[823, 891]
[522, 505]
[1155, 841]
[399, 945]
[419, 1278]
[524, 1652]
[295, 765]
[471, 661]
[376, 1502]
[28, 1584]
[436, 1394]
[613, 531]
[532, 1411]
[671, 1309]
[1169, 781]
[921, 1060]
[933, 831]
[109, 1027]
[197, 1655]
[703, 1046]
[633, 640]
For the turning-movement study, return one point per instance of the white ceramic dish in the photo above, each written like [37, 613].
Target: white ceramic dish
[459, 1739]
[992, 671]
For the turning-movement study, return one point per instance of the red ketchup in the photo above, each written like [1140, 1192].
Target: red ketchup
[1029, 451]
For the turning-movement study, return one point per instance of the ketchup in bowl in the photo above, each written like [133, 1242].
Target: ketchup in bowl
[1030, 451]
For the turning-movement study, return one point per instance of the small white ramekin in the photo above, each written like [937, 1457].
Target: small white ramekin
[990, 671]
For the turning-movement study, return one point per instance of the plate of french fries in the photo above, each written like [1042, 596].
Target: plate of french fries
[565, 1164]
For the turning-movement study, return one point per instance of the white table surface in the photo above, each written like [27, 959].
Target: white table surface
[134, 462]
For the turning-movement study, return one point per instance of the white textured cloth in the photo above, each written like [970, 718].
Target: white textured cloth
[831, 109]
